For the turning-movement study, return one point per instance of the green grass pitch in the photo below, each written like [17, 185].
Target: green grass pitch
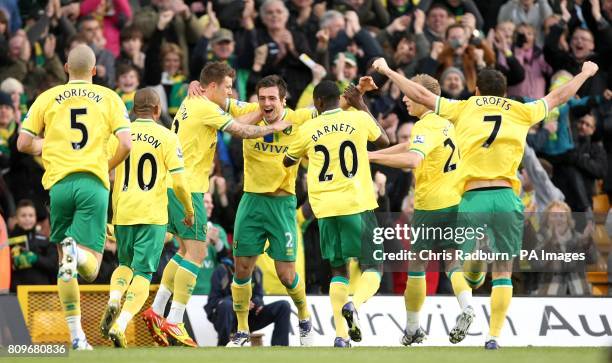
[331, 355]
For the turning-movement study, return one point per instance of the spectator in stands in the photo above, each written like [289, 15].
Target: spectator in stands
[507, 63]
[11, 9]
[220, 312]
[344, 29]
[538, 190]
[284, 47]
[588, 157]
[8, 126]
[402, 49]
[303, 18]
[557, 234]
[127, 84]
[531, 57]
[371, 13]
[89, 29]
[219, 47]
[15, 57]
[581, 49]
[464, 11]
[15, 89]
[164, 69]
[131, 49]
[22, 172]
[183, 27]
[458, 51]
[34, 258]
[438, 20]
[532, 12]
[539, 134]
[115, 15]
[452, 82]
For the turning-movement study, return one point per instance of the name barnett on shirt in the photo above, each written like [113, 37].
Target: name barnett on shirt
[328, 129]
[78, 92]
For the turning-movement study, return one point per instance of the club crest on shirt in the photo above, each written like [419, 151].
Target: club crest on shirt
[419, 139]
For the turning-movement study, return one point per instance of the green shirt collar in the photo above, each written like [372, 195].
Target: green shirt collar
[144, 120]
[78, 81]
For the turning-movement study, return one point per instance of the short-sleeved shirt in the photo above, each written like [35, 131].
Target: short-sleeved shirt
[196, 124]
[76, 120]
[339, 178]
[263, 157]
[436, 178]
[491, 132]
[140, 191]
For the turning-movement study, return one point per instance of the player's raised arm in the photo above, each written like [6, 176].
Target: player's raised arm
[407, 159]
[366, 84]
[354, 98]
[411, 89]
[564, 93]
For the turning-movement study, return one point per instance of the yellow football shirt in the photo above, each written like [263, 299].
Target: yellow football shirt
[196, 124]
[491, 132]
[436, 178]
[76, 120]
[263, 157]
[140, 191]
[339, 178]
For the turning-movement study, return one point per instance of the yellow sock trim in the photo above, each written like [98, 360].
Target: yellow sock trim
[500, 301]
[338, 294]
[136, 295]
[89, 269]
[185, 280]
[241, 296]
[298, 295]
[121, 278]
[366, 288]
[414, 295]
[69, 296]
[170, 272]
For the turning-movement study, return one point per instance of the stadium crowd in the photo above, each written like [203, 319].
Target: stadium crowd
[537, 44]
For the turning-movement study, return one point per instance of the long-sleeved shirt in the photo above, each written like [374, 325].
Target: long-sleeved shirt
[112, 23]
[545, 191]
[536, 69]
[515, 12]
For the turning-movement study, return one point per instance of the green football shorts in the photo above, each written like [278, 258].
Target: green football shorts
[498, 212]
[262, 217]
[140, 246]
[343, 237]
[79, 205]
[434, 226]
[176, 214]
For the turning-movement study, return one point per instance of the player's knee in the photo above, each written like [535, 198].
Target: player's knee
[196, 253]
[287, 277]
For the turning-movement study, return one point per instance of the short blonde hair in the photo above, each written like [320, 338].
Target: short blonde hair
[428, 82]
